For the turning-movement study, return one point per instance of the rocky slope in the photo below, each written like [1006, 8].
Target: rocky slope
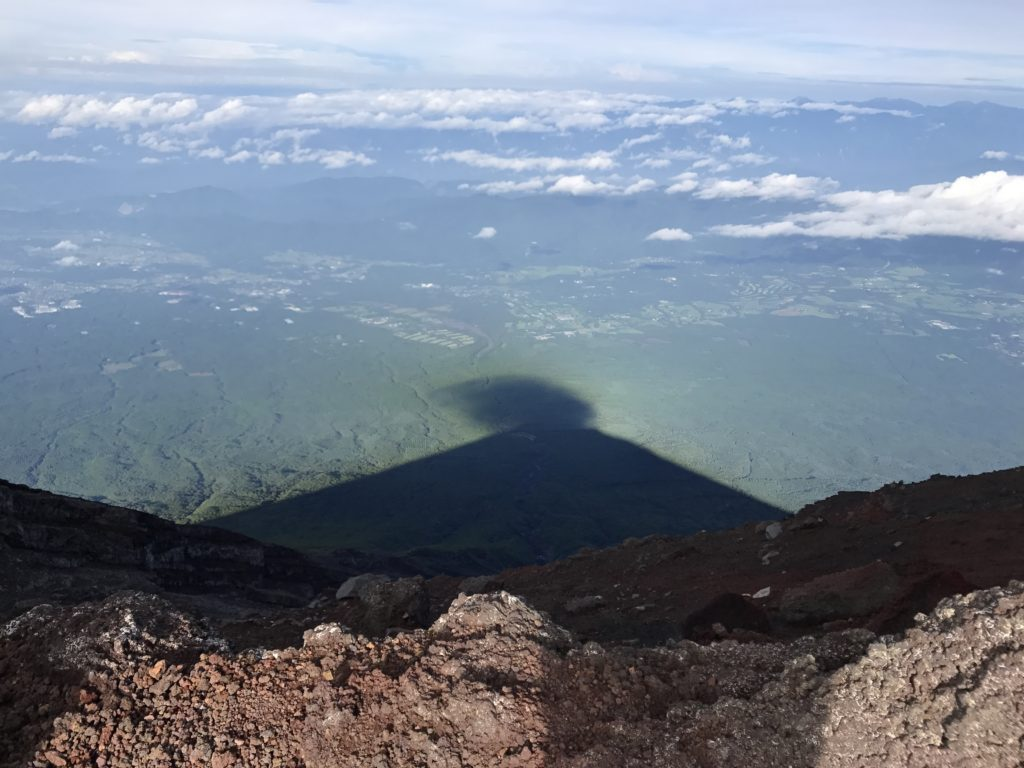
[60, 549]
[855, 559]
[869, 629]
[133, 682]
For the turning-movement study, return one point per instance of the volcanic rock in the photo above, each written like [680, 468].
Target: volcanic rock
[354, 586]
[184, 672]
[851, 593]
[495, 682]
[65, 550]
[474, 585]
[729, 610]
[585, 603]
[390, 602]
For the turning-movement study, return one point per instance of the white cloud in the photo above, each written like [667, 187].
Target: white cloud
[170, 118]
[987, 206]
[684, 182]
[151, 160]
[65, 245]
[230, 111]
[35, 156]
[331, 159]
[62, 132]
[295, 135]
[281, 148]
[489, 110]
[242, 156]
[724, 140]
[655, 162]
[666, 157]
[664, 117]
[999, 154]
[280, 128]
[848, 109]
[509, 187]
[128, 57]
[157, 142]
[646, 138]
[485, 233]
[774, 186]
[640, 185]
[209, 153]
[94, 111]
[577, 185]
[69, 261]
[751, 158]
[775, 107]
[597, 161]
[580, 186]
[273, 157]
[670, 234]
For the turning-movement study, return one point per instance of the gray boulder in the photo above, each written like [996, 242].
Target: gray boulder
[353, 587]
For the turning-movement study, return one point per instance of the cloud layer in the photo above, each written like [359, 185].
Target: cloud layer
[490, 110]
[576, 185]
[657, 43]
[987, 206]
[597, 161]
[775, 186]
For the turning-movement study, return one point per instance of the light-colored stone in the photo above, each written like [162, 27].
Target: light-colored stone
[353, 587]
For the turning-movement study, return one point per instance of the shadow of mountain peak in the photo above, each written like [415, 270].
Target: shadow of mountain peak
[517, 402]
[541, 488]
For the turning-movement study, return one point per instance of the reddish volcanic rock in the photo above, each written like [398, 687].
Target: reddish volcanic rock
[496, 683]
[579, 663]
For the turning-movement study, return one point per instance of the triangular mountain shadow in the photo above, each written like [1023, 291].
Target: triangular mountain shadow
[543, 486]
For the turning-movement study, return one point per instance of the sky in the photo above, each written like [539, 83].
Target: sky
[689, 98]
[929, 50]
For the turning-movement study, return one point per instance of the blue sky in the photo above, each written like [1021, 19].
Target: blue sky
[933, 51]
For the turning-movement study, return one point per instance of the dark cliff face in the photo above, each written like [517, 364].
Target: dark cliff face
[59, 549]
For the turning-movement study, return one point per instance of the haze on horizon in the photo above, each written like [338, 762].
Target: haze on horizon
[929, 51]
